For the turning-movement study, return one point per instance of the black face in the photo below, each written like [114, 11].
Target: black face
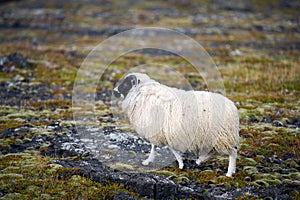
[125, 86]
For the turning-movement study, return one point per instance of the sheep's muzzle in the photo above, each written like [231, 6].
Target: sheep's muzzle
[116, 94]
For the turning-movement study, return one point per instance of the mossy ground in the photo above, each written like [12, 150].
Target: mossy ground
[29, 175]
[55, 37]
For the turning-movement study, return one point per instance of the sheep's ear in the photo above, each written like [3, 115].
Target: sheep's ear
[133, 79]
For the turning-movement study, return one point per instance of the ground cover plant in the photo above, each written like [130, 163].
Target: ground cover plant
[43, 43]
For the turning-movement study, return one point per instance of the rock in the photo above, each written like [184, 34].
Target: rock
[153, 186]
[165, 189]
[236, 52]
[253, 119]
[278, 123]
[13, 62]
[18, 78]
[145, 186]
[123, 196]
[267, 119]
[113, 146]
[294, 121]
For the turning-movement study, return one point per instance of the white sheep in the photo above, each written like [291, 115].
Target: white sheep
[204, 123]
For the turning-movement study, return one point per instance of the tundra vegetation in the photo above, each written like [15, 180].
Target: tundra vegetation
[255, 45]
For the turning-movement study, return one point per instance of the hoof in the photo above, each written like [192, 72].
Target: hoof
[145, 162]
[180, 166]
[229, 174]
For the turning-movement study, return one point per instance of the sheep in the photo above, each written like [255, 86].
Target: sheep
[201, 122]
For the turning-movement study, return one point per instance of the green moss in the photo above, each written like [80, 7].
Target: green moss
[249, 162]
[250, 170]
[32, 176]
[165, 173]
[11, 176]
[122, 166]
[23, 115]
[15, 195]
[260, 183]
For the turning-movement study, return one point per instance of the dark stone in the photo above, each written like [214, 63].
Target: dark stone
[295, 121]
[165, 189]
[275, 193]
[184, 192]
[109, 129]
[258, 27]
[10, 62]
[278, 123]
[143, 185]
[267, 120]
[123, 196]
[14, 132]
[253, 119]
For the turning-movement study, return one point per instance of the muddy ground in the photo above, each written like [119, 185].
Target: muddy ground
[43, 43]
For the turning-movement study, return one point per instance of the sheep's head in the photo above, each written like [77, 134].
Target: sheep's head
[130, 81]
[125, 86]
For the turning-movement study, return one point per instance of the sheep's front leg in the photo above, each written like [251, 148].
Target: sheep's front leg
[232, 163]
[178, 158]
[151, 156]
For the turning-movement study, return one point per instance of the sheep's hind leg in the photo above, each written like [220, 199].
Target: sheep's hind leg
[178, 158]
[151, 156]
[232, 163]
[203, 158]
